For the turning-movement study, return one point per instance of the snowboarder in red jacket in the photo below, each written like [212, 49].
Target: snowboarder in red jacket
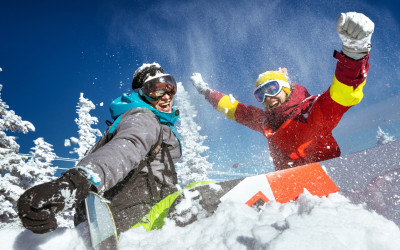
[299, 126]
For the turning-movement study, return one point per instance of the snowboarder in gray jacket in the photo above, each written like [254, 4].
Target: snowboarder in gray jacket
[132, 165]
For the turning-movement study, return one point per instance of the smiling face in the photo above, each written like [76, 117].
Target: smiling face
[271, 103]
[163, 104]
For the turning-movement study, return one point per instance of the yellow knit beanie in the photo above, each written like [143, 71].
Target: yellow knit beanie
[274, 75]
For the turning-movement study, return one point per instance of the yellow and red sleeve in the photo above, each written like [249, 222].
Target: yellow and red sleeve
[344, 92]
[349, 80]
[249, 116]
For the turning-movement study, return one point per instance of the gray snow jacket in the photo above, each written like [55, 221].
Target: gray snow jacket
[137, 131]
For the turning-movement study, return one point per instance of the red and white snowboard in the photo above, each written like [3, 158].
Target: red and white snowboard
[350, 172]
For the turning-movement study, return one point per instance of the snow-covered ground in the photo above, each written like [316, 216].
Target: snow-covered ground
[310, 222]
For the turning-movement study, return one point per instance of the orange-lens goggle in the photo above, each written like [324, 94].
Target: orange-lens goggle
[155, 88]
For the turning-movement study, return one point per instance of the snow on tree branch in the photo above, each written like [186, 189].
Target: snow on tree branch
[11, 121]
[87, 134]
[192, 166]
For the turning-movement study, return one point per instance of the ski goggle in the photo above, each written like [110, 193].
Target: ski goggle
[270, 88]
[156, 87]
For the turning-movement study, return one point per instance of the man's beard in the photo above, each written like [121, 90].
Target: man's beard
[280, 114]
[270, 108]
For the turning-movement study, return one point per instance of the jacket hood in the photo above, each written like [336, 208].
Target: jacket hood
[127, 102]
[288, 109]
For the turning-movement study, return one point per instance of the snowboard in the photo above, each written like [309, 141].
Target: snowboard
[102, 228]
[350, 172]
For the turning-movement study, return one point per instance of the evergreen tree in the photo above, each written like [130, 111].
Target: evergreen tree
[192, 166]
[87, 134]
[15, 175]
[42, 156]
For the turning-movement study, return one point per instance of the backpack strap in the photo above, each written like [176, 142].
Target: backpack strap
[172, 170]
[151, 155]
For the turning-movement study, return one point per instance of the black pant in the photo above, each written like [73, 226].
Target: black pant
[130, 202]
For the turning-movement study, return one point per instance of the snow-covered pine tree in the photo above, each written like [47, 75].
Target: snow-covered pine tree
[42, 158]
[87, 134]
[15, 175]
[192, 166]
[383, 138]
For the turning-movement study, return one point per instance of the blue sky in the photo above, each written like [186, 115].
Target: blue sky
[51, 51]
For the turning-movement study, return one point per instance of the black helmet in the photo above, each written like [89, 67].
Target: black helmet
[144, 72]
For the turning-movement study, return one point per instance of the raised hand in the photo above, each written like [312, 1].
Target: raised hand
[198, 83]
[355, 31]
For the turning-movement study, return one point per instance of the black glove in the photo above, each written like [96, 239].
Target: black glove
[38, 206]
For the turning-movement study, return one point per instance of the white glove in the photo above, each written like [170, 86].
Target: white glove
[198, 83]
[355, 31]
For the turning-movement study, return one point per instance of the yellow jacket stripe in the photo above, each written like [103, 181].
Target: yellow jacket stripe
[226, 107]
[346, 95]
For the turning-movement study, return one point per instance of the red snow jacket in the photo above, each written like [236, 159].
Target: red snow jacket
[300, 130]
